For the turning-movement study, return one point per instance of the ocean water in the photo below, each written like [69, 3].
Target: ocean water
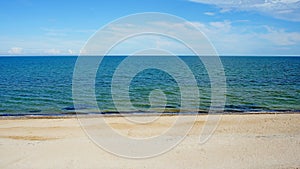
[43, 85]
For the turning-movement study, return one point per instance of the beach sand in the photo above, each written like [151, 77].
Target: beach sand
[240, 141]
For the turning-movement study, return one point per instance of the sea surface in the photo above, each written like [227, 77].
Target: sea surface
[43, 85]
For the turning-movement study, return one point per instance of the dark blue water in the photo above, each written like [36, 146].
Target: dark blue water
[43, 85]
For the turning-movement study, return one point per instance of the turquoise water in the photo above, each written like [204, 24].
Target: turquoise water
[43, 85]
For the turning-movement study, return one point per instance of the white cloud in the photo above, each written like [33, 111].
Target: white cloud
[282, 9]
[230, 39]
[70, 51]
[225, 26]
[281, 38]
[227, 38]
[66, 32]
[15, 51]
[209, 13]
[42, 45]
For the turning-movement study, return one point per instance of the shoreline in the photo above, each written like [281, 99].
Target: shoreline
[89, 115]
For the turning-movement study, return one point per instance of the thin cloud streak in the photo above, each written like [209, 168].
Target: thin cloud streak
[281, 9]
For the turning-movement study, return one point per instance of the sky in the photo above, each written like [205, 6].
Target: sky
[235, 27]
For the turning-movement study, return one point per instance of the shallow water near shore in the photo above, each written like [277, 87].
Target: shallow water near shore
[43, 85]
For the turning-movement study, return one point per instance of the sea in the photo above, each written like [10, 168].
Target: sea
[42, 85]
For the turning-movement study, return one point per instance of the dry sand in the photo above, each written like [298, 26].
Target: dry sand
[241, 141]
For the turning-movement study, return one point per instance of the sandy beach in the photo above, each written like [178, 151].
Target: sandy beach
[240, 141]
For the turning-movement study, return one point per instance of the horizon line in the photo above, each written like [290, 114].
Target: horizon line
[180, 55]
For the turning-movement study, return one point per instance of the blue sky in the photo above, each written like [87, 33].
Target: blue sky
[236, 27]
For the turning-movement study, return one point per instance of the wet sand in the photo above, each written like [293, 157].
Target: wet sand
[269, 141]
